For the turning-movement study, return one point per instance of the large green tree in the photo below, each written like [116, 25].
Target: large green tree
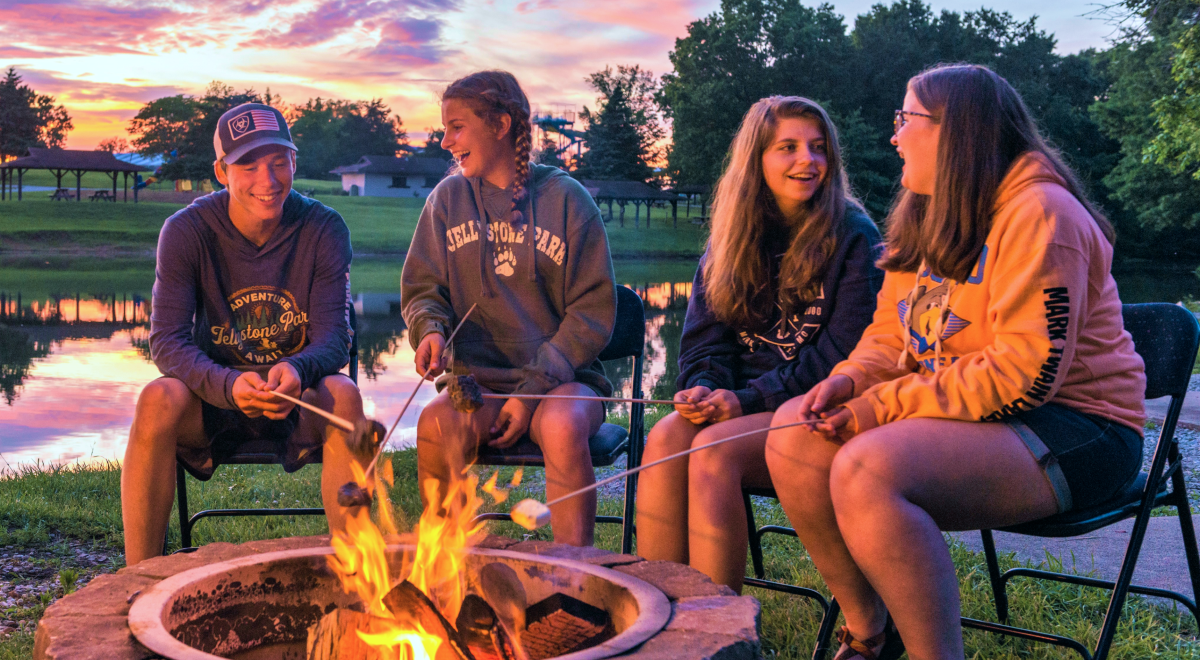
[750, 49]
[1162, 206]
[1177, 145]
[181, 128]
[623, 132]
[28, 119]
[331, 133]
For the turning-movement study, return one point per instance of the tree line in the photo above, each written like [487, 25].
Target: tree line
[1127, 117]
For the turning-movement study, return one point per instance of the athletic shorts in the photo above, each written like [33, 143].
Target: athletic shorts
[232, 431]
[1088, 459]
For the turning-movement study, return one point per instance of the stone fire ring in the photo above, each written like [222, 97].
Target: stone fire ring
[706, 620]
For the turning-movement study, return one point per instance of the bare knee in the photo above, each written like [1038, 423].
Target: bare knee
[861, 472]
[337, 392]
[720, 463]
[670, 435]
[160, 406]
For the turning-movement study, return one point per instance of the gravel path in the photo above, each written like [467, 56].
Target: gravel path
[31, 577]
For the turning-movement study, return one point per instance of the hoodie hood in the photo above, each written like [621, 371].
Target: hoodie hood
[494, 204]
[1030, 168]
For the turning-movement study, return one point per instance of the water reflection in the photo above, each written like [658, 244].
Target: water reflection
[73, 364]
[72, 367]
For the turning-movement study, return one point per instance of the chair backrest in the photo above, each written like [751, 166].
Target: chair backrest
[1166, 336]
[629, 333]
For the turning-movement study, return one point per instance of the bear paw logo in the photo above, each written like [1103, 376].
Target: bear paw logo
[505, 261]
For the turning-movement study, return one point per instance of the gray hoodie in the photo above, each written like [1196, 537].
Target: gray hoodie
[534, 328]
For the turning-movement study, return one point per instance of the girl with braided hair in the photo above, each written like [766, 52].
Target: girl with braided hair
[526, 244]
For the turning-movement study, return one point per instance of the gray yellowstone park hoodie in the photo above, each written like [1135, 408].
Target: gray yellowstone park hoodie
[536, 327]
[222, 305]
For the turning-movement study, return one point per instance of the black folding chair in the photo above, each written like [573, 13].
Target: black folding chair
[829, 608]
[1166, 336]
[255, 452]
[611, 441]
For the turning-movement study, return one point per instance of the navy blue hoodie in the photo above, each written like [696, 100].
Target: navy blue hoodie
[766, 369]
[223, 305]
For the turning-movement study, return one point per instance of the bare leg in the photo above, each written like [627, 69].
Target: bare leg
[799, 461]
[339, 395]
[562, 428]
[662, 500]
[167, 415]
[717, 536]
[447, 440]
[895, 488]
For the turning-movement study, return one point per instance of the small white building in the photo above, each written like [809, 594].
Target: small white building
[388, 176]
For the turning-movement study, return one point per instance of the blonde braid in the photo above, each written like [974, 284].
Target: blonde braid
[523, 142]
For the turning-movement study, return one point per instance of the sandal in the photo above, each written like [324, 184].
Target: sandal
[887, 641]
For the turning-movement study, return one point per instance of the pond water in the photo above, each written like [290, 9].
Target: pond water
[74, 353]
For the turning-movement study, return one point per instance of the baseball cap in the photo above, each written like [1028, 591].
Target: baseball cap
[249, 126]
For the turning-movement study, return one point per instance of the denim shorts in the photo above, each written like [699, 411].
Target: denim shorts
[1088, 459]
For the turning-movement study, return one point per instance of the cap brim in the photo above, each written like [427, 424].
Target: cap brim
[233, 156]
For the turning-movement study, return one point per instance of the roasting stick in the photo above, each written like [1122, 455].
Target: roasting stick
[584, 397]
[340, 422]
[449, 341]
[532, 514]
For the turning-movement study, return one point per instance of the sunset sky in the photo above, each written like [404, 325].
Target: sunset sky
[103, 59]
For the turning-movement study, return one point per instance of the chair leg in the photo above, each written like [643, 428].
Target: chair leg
[1189, 531]
[1121, 588]
[825, 632]
[756, 555]
[999, 584]
[185, 526]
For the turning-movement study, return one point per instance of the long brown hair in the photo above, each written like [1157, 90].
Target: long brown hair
[985, 128]
[490, 95]
[738, 270]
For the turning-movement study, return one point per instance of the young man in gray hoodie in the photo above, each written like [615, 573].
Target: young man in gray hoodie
[251, 296]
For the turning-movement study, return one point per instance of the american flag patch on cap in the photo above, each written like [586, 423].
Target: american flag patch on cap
[251, 121]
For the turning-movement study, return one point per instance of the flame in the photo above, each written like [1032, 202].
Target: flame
[437, 568]
[409, 644]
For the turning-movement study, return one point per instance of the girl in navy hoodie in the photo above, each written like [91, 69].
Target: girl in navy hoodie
[783, 293]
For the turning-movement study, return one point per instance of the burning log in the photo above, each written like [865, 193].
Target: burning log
[339, 635]
[405, 600]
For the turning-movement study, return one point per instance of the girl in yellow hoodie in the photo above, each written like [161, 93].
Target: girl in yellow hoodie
[996, 384]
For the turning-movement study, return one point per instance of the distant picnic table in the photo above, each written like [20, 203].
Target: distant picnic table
[61, 193]
[102, 196]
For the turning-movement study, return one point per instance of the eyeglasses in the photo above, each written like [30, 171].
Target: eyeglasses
[900, 120]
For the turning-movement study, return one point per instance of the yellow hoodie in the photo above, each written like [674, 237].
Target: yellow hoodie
[1039, 320]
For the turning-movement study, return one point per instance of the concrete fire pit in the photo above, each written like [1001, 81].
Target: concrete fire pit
[705, 620]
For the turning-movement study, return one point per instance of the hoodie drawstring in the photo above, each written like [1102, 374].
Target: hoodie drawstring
[485, 288]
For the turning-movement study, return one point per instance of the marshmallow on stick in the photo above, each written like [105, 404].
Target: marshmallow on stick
[532, 514]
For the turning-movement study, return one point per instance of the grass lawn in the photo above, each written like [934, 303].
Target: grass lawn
[45, 511]
[378, 226]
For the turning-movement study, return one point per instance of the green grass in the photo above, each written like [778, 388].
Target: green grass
[39, 507]
[379, 226]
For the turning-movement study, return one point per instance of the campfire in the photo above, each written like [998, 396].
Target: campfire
[368, 598]
[434, 612]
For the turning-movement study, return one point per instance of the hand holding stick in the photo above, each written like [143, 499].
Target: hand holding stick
[532, 514]
[352, 493]
[339, 422]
